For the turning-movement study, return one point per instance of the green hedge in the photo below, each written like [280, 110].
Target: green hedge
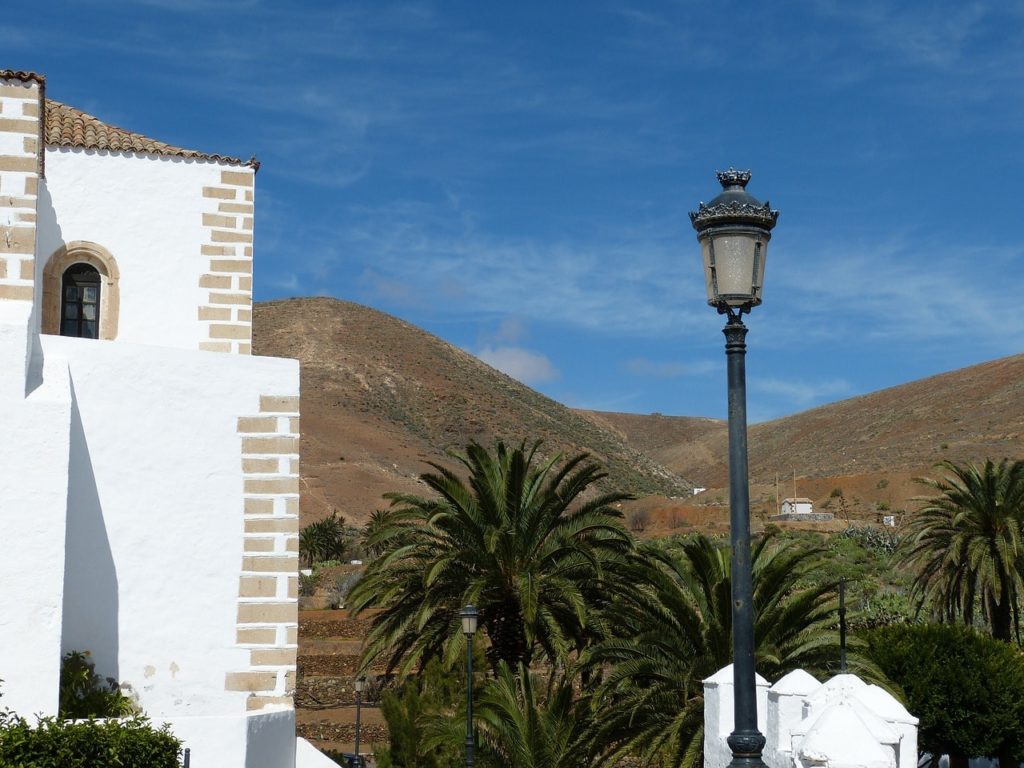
[967, 688]
[52, 743]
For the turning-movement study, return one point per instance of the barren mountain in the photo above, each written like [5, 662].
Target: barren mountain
[381, 397]
[870, 447]
[969, 414]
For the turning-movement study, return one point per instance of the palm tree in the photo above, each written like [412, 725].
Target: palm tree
[674, 630]
[518, 539]
[529, 728]
[967, 543]
[324, 540]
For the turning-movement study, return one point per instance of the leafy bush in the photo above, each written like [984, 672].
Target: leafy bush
[421, 704]
[968, 689]
[53, 743]
[308, 583]
[876, 540]
[84, 694]
[883, 608]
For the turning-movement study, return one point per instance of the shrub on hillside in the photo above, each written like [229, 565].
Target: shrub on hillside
[967, 689]
[876, 540]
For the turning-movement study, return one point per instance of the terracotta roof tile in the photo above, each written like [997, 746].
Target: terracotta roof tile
[69, 127]
[11, 74]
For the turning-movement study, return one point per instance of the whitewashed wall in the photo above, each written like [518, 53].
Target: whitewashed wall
[842, 723]
[34, 458]
[147, 211]
[155, 526]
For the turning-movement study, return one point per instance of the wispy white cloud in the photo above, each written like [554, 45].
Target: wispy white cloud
[801, 390]
[629, 281]
[937, 37]
[193, 6]
[520, 363]
[663, 370]
[509, 331]
[288, 282]
[906, 289]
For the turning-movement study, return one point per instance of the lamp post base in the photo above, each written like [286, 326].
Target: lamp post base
[747, 749]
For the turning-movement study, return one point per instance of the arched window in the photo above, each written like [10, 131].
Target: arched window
[80, 302]
[81, 292]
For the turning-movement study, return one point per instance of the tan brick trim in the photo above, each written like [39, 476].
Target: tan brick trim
[18, 239]
[270, 404]
[17, 292]
[250, 681]
[19, 164]
[237, 178]
[231, 265]
[214, 313]
[267, 618]
[256, 636]
[219, 193]
[29, 127]
[258, 424]
[228, 236]
[255, 702]
[273, 658]
[215, 220]
[6, 201]
[217, 250]
[215, 346]
[227, 219]
[79, 252]
[283, 444]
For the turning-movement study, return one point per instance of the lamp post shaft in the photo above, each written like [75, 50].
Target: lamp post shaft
[359, 704]
[842, 626]
[469, 701]
[746, 741]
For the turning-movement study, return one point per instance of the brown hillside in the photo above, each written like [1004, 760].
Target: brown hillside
[381, 397]
[869, 446]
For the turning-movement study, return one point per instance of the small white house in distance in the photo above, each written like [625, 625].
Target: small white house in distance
[151, 464]
[799, 509]
[799, 506]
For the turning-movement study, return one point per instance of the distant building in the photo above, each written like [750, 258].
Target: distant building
[796, 509]
[798, 506]
[151, 463]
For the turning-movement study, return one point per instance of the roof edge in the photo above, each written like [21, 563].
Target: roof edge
[70, 127]
[17, 74]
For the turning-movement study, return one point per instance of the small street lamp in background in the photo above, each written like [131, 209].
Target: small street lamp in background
[360, 687]
[733, 231]
[469, 615]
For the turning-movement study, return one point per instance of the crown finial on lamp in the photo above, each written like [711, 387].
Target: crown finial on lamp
[733, 178]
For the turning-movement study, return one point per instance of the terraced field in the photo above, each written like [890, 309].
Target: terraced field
[325, 700]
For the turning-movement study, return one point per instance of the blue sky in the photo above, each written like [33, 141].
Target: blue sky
[516, 177]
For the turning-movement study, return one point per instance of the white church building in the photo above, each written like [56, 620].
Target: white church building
[150, 478]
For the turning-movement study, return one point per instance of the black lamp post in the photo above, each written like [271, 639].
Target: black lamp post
[469, 616]
[733, 231]
[360, 686]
